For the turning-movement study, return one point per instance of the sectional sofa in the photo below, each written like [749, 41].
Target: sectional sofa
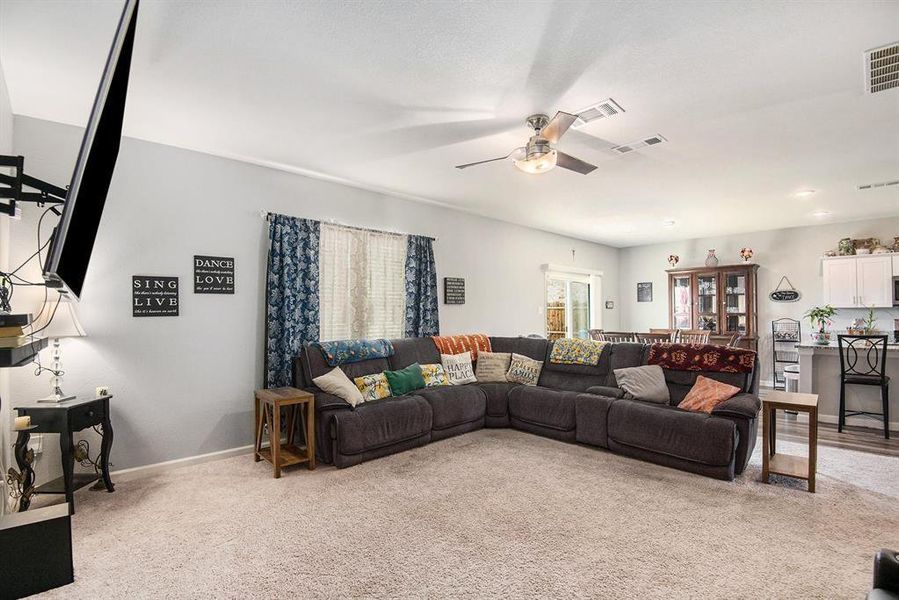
[571, 403]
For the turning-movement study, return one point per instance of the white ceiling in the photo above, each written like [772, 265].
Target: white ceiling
[757, 99]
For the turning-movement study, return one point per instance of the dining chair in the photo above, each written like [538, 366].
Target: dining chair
[672, 333]
[617, 336]
[653, 338]
[693, 336]
[595, 334]
[734, 341]
[863, 361]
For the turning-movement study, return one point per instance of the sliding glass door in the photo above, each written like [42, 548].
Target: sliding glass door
[568, 306]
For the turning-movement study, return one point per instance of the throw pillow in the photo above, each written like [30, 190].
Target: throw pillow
[644, 383]
[434, 375]
[706, 394]
[458, 368]
[493, 366]
[405, 380]
[523, 369]
[373, 387]
[337, 383]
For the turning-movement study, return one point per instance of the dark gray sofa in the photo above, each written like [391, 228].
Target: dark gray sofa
[572, 403]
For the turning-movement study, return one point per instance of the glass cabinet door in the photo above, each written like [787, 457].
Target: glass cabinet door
[736, 310]
[682, 302]
[707, 301]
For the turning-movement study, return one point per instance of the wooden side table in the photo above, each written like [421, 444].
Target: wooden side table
[786, 464]
[268, 416]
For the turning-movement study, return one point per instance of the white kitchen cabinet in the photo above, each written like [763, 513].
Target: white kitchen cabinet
[840, 282]
[896, 265]
[859, 281]
[875, 281]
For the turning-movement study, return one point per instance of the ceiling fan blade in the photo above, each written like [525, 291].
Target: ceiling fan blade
[566, 161]
[517, 151]
[557, 126]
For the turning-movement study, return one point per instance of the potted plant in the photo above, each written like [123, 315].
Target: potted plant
[820, 318]
[870, 322]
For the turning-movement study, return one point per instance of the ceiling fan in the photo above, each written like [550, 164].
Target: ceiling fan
[539, 155]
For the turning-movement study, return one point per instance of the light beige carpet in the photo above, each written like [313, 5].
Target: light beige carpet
[495, 513]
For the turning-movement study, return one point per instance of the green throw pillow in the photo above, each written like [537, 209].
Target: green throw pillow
[405, 380]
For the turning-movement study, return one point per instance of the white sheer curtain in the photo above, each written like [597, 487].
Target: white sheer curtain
[362, 286]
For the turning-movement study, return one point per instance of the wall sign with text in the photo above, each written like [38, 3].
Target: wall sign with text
[213, 275]
[453, 290]
[153, 296]
[644, 291]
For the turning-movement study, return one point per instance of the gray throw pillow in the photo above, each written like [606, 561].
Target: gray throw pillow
[644, 383]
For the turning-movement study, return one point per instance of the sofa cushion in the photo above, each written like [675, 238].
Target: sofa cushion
[458, 368]
[604, 390]
[530, 347]
[692, 436]
[405, 380]
[706, 394]
[434, 375]
[381, 423]
[413, 350]
[492, 366]
[681, 382]
[624, 355]
[455, 404]
[497, 398]
[337, 383]
[543, 406]
[645, 383]
[373, 387]
[524, 370]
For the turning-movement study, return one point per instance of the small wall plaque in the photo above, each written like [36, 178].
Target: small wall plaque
[213, 275]
[154, 296]
[644, 291]
[453, 290]
[787, 294]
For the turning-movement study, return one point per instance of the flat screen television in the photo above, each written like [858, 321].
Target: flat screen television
[74, 236]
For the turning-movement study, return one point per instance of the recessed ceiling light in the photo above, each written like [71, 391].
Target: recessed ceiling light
[804, 193]
[821, 213]
[670, 223]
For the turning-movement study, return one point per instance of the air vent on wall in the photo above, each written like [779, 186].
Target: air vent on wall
[649, 141]
[882, 68]
[601, 110]
[881, 184]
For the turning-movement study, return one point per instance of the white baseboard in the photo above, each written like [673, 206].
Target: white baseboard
[156, 468]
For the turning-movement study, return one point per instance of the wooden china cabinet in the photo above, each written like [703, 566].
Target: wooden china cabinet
[722, 299]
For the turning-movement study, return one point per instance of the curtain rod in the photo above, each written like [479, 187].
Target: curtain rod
[265, 216]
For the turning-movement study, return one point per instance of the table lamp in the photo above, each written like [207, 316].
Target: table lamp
[64, 323]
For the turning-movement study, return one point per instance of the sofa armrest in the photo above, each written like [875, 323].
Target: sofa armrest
[326, 401]
[886, 570]
[741, 405]
[607, 391]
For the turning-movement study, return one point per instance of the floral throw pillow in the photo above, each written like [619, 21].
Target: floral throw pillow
[434, 375]
[373, 387]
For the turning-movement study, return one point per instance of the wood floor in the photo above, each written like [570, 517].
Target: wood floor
[860, 439]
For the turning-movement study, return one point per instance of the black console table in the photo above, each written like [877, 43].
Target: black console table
[65, 418]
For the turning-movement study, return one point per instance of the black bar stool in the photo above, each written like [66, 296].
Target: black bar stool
[863, 361]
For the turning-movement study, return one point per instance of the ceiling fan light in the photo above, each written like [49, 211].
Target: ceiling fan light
[538, 164]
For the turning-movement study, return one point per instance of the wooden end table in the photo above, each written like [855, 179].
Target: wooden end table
[268, 416]
[786, 464]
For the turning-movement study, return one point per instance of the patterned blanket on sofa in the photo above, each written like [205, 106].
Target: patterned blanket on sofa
[457, 344]
[575, 351]
[341, 352]
[701, 357]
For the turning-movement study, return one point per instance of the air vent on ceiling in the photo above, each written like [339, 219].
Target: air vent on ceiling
[601, 110]
[882, 68]
[649, 141]
[881, 184]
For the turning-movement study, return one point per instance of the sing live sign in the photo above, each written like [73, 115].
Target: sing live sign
[153, 296]
[213, 275]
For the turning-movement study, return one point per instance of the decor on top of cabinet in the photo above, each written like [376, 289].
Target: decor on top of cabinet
[820, 318]
[880, 249]
[865, 245]
[846, 247]
[673, 259]
[895, 246]
[711, 260]
[746, 254]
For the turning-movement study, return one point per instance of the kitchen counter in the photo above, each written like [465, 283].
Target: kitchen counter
[819, 373]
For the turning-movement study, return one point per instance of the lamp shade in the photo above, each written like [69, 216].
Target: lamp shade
[65, 322]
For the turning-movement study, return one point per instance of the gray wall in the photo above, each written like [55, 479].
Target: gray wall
[183, 386]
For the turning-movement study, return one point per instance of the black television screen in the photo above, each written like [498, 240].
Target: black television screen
[73, 239]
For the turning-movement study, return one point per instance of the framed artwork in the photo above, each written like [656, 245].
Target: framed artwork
[644, 291]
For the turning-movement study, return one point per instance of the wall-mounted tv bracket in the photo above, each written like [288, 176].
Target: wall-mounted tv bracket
[11, 188]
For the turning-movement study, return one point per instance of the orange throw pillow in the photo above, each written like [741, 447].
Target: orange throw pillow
[706, 394]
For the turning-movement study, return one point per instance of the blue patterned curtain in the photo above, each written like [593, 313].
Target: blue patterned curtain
[421, 288]
[292, 284]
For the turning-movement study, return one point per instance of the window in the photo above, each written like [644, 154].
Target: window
[362, 292]
[571, 306]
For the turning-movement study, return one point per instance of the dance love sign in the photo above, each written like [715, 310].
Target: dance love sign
[213, 275]
[789, 294]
